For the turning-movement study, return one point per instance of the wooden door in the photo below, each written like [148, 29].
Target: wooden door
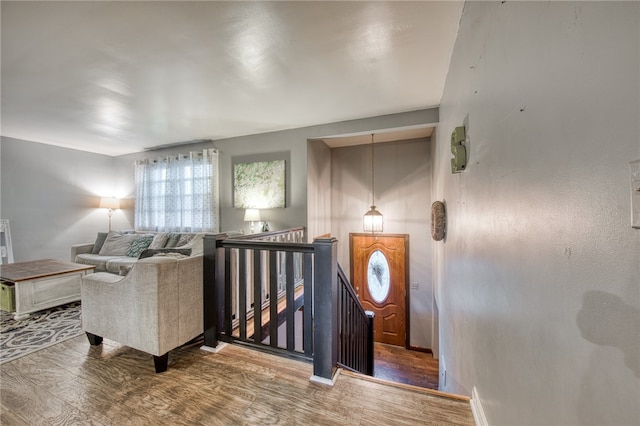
[380, 276]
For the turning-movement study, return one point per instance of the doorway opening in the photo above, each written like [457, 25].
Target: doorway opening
[380, 277]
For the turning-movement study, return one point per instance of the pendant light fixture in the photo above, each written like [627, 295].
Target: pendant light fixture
[372, 221]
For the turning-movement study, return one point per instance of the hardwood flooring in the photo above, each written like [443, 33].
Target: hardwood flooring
[72, 383]
[401, 365]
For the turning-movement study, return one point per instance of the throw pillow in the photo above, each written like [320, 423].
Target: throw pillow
[159, 241]
[154, 252]
[172, 240]
[185, 239]
[139, 245]
[172, 255]
[102, 236]
[117, 244]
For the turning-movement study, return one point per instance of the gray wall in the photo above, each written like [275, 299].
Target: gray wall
[538, 281]
[403, 196]
[263, 147]
[50, 196]
[318, 189]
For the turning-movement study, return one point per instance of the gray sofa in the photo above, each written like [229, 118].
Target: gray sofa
[153, 304]
[114, 250]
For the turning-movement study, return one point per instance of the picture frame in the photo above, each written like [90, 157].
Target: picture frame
[259, 185]
[6, 249]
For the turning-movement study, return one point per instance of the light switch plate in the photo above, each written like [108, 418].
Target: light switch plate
[634, 168]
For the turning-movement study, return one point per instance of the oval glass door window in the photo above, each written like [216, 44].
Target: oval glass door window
[378, 280]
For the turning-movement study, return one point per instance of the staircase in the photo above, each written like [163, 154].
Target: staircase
[275, 293]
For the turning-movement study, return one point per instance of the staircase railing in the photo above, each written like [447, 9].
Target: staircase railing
[275, 293]
[355, 351]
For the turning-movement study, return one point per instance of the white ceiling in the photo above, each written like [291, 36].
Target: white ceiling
[116, 77]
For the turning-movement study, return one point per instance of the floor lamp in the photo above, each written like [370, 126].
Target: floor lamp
[111, 203]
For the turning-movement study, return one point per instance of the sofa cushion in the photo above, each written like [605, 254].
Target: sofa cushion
[172, 240]
[185, 239]
[159, 241]
[117, 244]
[100, 262]
[114, 263]
[139, 245]
[196, 244]
[156, 252]
[97, 246]
[175, 256]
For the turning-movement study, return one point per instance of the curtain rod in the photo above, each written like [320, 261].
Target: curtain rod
[173, 144]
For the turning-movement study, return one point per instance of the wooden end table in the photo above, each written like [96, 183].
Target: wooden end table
[42, 284]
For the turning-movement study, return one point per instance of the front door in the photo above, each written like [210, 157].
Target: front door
[379, 273]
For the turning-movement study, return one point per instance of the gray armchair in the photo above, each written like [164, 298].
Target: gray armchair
[155, 308]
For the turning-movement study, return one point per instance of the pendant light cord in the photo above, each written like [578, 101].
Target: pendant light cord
[373, 201]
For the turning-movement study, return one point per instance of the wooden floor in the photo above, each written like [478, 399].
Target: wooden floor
[73, 383]
[401, 365]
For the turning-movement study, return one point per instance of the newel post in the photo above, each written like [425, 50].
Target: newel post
[213, 289]
[325, 311]
[370, 341]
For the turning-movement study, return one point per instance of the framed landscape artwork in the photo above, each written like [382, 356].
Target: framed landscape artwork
[259, 185]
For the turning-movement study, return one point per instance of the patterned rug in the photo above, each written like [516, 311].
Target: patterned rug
[42, 329]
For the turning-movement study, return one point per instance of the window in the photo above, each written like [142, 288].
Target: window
[178, 193]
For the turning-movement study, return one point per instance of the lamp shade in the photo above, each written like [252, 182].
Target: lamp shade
[109, 203]
[252, 215]
[372, 221]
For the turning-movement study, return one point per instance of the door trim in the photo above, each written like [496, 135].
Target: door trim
[407, 263]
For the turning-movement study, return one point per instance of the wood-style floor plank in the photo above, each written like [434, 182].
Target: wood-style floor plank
[110, 384]
[401, 365]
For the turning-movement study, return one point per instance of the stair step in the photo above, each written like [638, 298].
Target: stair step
[406, 386]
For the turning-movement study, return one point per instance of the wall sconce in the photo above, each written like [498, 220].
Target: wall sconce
[459, 160]
[252, 215]
[111, 203]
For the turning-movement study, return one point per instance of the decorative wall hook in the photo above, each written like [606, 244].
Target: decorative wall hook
[438, 220]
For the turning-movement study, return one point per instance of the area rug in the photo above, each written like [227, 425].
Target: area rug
[41, 330]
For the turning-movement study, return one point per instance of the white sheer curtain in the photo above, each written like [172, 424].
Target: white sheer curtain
[178, 193]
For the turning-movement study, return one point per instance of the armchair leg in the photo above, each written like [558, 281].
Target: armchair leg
[93, 339]
[161, 362]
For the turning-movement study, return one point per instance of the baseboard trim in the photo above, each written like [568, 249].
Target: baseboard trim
[477, 410]
[324, 381]
[215, 350]
[419, 349]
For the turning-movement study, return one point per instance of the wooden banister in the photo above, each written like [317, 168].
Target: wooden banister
[355, 350]
[256, 284]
